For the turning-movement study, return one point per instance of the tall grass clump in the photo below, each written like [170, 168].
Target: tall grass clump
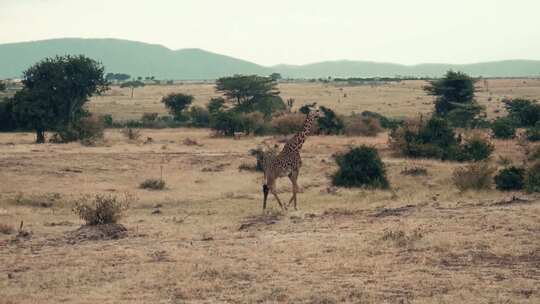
[476, 176]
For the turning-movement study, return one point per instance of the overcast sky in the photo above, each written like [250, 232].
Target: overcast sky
[295, 31]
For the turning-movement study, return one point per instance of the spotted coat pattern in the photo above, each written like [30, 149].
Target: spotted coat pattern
[288, 161]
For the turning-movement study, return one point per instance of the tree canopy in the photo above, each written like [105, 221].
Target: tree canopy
[132, 85]
[177, 103]
[55, 91]
[244, 91]
[117, 77]
[453, 90]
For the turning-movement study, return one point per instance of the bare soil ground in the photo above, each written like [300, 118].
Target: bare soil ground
[205, 240]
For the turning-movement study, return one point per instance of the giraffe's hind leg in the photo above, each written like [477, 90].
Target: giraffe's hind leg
[293, 176]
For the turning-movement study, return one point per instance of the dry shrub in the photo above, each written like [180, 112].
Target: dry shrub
[363, 126]
[476, 176]
[415, 171]
[191, 142]
[88, 130]
[153, 184]
[401, 238]
[288, 123]
[6, 229]
[397, 139]
[101, 209]
[131, 133]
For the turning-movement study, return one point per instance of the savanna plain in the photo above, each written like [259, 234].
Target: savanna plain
[205, 239]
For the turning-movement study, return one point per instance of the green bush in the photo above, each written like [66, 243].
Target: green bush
[108, 120]
[476, 148]
[227, 123]
[424, 139]
[200, 117]
[512, 178]
[361, 166]
[153, 184]
[87, 129]
[533, 133]
[503, 128]
[269, 105]
[7, 119]
[523, 112]
[216, 105]
[532, 179]
[329, 122]
[436, 139]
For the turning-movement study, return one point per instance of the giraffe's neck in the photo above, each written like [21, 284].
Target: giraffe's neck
[295, 144]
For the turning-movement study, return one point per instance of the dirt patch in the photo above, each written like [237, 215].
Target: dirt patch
[341, 212]
[405, 210]
[97, 233]
[259, 221]
[485, 258]
[62, 223]
[514, 200]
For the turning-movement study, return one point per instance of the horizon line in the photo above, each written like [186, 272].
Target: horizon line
[268, 66]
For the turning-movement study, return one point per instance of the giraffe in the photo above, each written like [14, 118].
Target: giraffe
[287, 163]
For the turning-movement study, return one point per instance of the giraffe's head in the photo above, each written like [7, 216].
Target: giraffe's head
[314, 114]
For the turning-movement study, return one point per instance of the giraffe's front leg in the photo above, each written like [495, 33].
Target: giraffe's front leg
[272, 187]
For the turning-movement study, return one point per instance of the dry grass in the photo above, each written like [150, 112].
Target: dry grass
[421, 242]
[403, 99]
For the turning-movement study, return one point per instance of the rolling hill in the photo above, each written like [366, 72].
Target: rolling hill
[143, 59]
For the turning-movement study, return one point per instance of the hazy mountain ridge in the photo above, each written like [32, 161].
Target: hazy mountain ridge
[143, 59]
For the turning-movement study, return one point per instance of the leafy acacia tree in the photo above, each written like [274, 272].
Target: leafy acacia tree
[117, 77]
[453, 89]
[177, 103]
[245, 91]
[132, 84]
[215, 105]
[55, 91]
[275, 76]
[454, 97]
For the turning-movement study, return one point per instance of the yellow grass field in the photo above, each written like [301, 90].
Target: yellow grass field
[403, 99]
[204, 238]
